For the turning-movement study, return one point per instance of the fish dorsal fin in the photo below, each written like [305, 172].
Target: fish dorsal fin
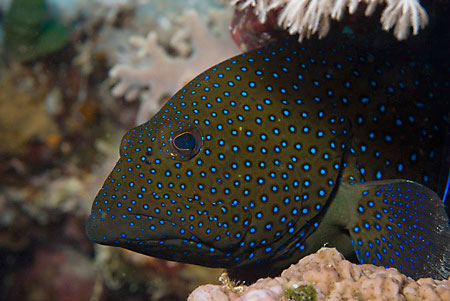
[402, 224]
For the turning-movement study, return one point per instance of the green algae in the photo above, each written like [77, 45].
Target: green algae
[30, 32]
[301, 293]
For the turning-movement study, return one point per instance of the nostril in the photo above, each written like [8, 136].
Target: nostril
[148, 153]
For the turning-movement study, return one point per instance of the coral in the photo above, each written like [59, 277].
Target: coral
[326, 275]
[30, 32]
[152, 49]
[249, 33]
[56, 273]
[151, 73]
[308, 17]
[120, 267]
[106, 26]
[60, 130]
[18, 104]
[300, 293]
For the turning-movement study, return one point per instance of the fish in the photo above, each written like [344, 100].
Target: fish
[270, 155]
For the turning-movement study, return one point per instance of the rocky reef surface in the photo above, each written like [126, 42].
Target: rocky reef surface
[326, 275]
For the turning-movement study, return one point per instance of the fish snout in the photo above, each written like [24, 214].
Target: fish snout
[154, 237]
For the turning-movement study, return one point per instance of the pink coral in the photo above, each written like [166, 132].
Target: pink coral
[330, 277]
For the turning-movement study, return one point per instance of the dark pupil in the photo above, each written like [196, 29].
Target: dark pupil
[185, 141]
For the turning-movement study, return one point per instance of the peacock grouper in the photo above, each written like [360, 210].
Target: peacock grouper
[269, 155]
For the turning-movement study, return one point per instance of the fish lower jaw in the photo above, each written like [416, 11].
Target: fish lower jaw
[156, 237]
[105, 227]
[139, 229]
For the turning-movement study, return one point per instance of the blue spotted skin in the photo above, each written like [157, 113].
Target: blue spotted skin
[265, 157]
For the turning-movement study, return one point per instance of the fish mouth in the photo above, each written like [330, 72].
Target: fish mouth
[159, 236]
[145, 234]
[106, 226]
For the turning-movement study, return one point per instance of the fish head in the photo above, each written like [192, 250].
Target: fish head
[181, 190]
[222, 176]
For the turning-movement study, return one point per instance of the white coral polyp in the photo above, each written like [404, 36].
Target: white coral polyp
[308, 17]
[403, 14]
[261, 7]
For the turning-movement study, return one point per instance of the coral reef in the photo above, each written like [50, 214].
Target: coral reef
[30, 32]
[308, 17]
[326, 275]
[56, 273]
[151, 72]
[35, 123]
[249, 33]
[123, 270]
[302, 292]
[61, 127]
[152, 53]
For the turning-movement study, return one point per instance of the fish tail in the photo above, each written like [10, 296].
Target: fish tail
[402, 224]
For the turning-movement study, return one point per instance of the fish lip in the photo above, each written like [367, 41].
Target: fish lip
[101, 215]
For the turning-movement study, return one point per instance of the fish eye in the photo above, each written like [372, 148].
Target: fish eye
[185, 144]
[184, 141]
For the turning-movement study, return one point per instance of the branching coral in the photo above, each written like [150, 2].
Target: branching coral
[308, 17]
[148, 71]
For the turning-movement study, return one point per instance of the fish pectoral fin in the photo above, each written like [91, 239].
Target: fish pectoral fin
[402, 224]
